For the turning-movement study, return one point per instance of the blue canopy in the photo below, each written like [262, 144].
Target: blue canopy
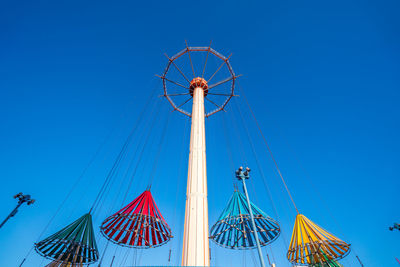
[234, 230]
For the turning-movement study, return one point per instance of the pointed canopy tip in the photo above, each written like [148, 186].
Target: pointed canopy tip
[139, 224]
[74, 244]
[237, 206]
[234, 230]
[311, 244]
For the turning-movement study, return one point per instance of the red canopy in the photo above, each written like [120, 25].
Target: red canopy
[139, 224]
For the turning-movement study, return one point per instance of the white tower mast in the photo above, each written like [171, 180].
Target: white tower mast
[195, 251]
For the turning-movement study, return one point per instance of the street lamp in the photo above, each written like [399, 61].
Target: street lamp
[21, 200]
[242, 176]
[395, 226]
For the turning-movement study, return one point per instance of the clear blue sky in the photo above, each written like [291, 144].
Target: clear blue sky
[322, 77]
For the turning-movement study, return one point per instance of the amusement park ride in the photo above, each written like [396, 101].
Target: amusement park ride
[241, 225]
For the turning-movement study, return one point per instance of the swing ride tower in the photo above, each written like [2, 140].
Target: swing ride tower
[198, 89]
[140, 225]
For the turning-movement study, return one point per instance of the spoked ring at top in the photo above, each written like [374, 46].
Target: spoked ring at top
[198, 80]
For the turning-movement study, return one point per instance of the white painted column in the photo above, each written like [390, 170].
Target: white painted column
[195, 250]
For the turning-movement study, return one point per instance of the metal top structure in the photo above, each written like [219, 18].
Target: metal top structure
[197, 80]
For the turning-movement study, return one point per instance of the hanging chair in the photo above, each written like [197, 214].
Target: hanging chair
[63, 264]
[234, 229]
[74, 245]
[312, 245]
[139, 224]
[327, 263]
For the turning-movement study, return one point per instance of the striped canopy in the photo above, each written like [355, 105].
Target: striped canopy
[328, 263]
[62, 264]
[312, 245]
[74, 245]
[234, 229]
[139, 224]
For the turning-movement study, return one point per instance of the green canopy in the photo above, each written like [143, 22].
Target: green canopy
[73, 244]
[327, 263]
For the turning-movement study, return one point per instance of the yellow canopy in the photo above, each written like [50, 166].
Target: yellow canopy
[310, 244]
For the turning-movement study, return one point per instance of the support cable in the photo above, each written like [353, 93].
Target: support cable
[110, 174]
[261, 172]
[179, 179]
[239, 140]
[242, 153]
[269, 150]
[156, 112]
[160, 146]
[229, 150]
[191, 63]
[120, 155]
[277, 167]
[140, 157]
[104, 253]
[127, 253]
[78, 180]
[318, 193]
[205, 64]
[134, 158]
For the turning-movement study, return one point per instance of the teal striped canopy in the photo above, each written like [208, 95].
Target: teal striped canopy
[234, 229]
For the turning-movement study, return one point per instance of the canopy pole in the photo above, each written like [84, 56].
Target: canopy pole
[243, 175]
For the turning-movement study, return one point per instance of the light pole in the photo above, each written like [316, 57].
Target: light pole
[21, 200]
[395, 226]
[242, 176]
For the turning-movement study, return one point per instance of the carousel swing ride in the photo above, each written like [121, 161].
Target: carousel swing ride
[241, 226]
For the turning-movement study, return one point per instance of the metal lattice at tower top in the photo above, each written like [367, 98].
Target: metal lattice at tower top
[197, 78]
[208, 93]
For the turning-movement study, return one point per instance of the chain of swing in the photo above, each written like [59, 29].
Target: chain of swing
[306, 223]
[112, 174]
